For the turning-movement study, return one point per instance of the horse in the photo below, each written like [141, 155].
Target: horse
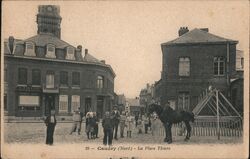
[168, 116]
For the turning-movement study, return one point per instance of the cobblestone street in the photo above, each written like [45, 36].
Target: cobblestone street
[35, 133]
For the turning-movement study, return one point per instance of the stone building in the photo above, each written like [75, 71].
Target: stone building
[194, 61]
[44, 72]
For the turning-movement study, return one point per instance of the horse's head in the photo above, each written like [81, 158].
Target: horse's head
[154, 108]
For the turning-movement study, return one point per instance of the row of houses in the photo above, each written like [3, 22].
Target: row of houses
[193, 62]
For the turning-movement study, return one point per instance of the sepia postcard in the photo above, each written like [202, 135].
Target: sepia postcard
[124, 79]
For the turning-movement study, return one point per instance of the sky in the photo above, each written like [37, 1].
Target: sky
[128, 34]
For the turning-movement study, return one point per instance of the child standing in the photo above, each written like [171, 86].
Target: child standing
[129, 122]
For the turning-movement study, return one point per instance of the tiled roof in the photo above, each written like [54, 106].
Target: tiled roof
[46, 38]
[198, 36]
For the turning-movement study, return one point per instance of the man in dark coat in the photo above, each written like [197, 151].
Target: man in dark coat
[96, 124]
[50, 122]
[116, 120]
[107, 124]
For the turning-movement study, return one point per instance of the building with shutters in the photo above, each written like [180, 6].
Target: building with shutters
[44, 72]
[194, 61]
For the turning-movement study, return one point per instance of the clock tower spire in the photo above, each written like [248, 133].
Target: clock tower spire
[49, 20]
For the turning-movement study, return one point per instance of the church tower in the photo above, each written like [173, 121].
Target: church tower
[49, 20]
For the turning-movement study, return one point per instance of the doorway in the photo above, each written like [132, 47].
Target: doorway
[49, 103]
[100, 105]
[87, 105]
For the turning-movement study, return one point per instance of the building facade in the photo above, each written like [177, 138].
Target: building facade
[194, 61]
[44, 72]
[146, 97]
[134, 107]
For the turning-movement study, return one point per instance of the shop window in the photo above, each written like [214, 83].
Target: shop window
[29, 102]
[63, 103]
[22, 76]
[75, 102]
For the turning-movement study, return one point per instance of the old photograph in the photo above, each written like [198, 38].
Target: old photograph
[125, 79]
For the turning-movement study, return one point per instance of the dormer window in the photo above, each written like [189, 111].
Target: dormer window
[50, 51]
[70, 53]
[29, 49]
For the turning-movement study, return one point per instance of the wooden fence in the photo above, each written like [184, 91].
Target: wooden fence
[207, 126]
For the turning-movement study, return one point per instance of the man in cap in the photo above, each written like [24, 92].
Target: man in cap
[116, 119]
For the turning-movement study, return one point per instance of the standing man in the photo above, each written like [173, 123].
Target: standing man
[76, 122]
[116, 120]
[107, 124]
[136, 119]
[96, 128]
[50, 122]
[81, 116]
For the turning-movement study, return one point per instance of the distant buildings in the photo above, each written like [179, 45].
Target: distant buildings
[194, 61]
[121, 102]
[146, 96]
[133, 106]
[44, 73]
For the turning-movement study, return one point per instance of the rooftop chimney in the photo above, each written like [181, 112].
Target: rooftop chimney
[103, 61]
[183, 30]
[86, 51]
[204, 29]
[79, 47]
[11, 43]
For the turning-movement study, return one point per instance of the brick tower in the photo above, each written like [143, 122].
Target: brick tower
[49, 20]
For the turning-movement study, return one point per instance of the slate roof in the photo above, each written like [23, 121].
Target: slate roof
[198, 36]
[90, 58]
[43, 39]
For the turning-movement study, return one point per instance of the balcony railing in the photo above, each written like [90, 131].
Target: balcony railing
[54, 89]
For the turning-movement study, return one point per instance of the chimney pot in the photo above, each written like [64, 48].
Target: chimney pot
[86, 51]
[183, 30]
[79, 47]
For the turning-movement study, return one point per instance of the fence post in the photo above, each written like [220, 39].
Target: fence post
[218, 115]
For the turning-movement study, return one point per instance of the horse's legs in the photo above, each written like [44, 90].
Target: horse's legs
[170, 133]
[166, 133]
[188, 130]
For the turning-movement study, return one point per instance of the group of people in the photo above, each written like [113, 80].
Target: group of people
[110, 123]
